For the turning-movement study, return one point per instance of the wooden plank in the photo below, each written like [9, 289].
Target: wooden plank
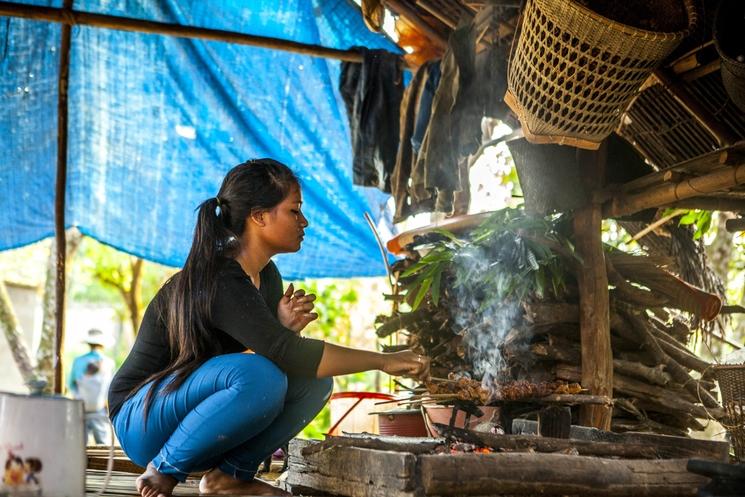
[554, 474]
[667, 446]
[597, 357]
[352, 471]
[121, 464]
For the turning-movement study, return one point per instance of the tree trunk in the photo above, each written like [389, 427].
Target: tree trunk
[14, 336]
[133, 295]
[45, 359]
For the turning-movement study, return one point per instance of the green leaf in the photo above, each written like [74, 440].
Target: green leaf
[436, 287]
[421, 293]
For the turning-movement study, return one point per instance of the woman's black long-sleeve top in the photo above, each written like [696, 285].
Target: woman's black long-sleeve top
[243, 317]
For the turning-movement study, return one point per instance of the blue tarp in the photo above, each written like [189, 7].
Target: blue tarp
[156, 121]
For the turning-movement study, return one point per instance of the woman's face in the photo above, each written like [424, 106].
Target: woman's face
[285, 224]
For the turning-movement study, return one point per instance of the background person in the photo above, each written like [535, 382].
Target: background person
[89, 381]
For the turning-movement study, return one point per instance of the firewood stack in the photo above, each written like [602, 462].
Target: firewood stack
[529, 346]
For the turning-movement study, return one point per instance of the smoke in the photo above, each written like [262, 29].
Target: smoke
[481, 317]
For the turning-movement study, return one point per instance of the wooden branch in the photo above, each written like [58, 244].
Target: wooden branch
[14, 336]
[72, 17]
[678, 352]
[681, 294]
[665, 400]
[59, 198]
[542, 313]
[675, 213]
[401, 321]
[676, 371]
[628, 292]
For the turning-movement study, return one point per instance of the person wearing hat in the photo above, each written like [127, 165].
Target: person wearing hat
[89, 381]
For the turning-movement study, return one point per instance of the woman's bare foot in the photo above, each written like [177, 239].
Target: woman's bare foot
[219, 483]
[153, 483]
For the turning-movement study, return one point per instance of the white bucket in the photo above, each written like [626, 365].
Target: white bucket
[42, 446]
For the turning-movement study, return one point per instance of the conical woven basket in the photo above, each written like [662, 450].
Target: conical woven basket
[573, 72]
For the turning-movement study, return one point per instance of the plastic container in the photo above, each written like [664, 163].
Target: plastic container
[42, 445]
[350, 412]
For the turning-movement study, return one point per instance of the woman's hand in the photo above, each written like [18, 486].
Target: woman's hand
[294, 309]
[406, 363]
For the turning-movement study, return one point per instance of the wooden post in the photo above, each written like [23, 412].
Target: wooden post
[59, 201]
[597, 357]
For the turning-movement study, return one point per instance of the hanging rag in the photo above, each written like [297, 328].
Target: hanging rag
[415, 109]
[372, 93]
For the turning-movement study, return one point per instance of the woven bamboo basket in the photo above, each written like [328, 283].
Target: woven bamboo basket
[573, 72]
[731, 379]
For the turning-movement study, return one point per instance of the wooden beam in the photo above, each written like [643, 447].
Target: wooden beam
[726, 156]
[719, 180]
[519, 473]
[73, 17]
[726, 204]
[597, 357]
[413, 17]
[59, 201]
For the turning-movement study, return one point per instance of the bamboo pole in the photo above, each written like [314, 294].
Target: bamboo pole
[702, 164]
[72, 17]
[59, 201]
[720, 180]
[728, 204]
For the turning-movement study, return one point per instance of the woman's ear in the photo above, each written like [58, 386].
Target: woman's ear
[257, 217]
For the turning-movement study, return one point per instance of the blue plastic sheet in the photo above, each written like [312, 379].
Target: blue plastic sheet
[156, 121]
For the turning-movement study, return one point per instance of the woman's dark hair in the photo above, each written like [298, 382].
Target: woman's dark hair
[255, 185]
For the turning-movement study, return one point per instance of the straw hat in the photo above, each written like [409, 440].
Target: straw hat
[97, 337]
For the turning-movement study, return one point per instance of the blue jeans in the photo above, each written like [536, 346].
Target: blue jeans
[231, 413]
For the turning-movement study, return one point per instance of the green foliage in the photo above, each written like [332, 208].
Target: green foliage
[96, 266]
[699, 219]
[510, 255]
[335, 304]
[430, 267]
